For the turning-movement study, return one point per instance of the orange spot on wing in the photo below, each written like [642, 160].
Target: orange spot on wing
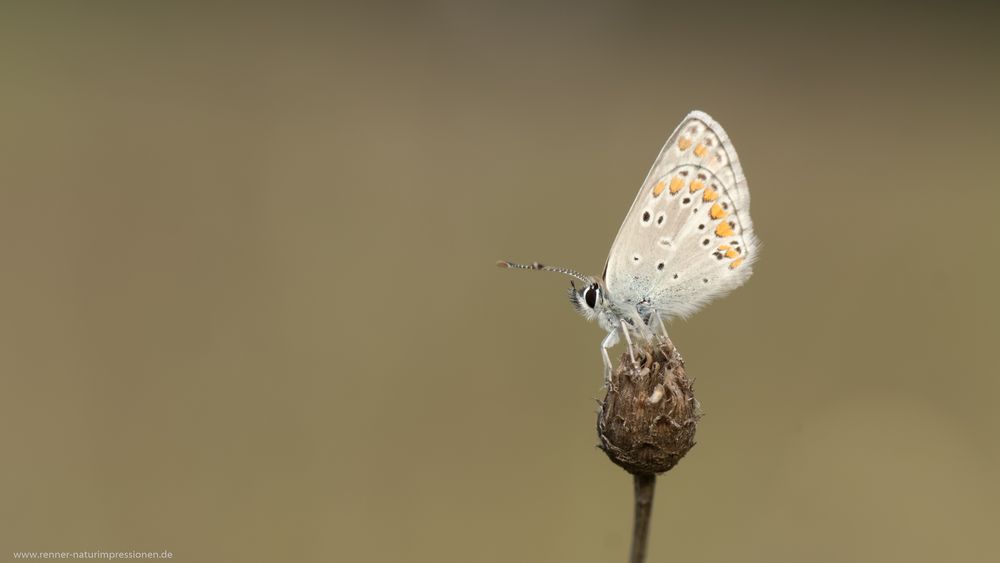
[732, 253]
[696, 185]
[684, 143]
[658, 188]
[699, 151]
[676, 184]
[710, 195]
[716, 212]
[736, 264]
[724, 230]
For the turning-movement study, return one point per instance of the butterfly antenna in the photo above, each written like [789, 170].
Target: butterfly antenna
[537, 266]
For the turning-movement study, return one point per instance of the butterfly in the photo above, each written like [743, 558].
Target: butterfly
[686, 240]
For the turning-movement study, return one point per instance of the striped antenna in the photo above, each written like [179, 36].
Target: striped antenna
[537, 266]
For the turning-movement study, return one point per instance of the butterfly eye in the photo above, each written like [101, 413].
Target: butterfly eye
[590, 296]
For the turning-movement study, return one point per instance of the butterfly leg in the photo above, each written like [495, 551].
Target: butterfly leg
[628, 340]
[666, 338]
[642, 325]
[609, 341]
[663, 327]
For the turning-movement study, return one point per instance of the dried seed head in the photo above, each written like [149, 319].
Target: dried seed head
[648, 418]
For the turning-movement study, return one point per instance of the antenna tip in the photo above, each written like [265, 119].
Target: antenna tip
[503, 264]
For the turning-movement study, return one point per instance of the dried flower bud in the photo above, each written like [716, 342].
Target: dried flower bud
[649, 415]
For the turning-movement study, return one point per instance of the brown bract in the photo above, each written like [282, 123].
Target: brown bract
[649, 415]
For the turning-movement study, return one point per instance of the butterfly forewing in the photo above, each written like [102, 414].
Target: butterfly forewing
[688, 237]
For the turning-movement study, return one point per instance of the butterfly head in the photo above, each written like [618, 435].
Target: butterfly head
[588, 299]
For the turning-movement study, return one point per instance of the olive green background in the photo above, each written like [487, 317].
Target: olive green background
[249, 309]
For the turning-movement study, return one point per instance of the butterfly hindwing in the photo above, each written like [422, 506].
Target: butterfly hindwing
[688, 237]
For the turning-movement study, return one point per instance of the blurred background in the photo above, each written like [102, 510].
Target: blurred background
[250, 310]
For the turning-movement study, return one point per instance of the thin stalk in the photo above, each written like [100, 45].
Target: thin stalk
[645, 484]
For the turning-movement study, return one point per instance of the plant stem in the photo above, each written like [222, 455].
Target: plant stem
[645, 485]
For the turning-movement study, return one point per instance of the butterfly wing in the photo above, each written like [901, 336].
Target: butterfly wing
[688, 237]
